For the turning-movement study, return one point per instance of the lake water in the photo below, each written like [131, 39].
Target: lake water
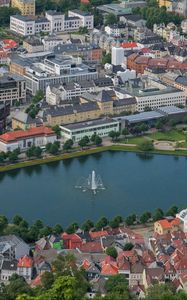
[134, 183]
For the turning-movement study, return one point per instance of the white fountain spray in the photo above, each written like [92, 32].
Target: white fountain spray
[93, 183]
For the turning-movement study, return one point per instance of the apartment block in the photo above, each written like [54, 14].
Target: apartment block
[27, 7]
[12, 89]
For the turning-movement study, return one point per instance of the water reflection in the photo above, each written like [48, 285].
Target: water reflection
[83, 159]
[145, 156]
[2, 176]
[28, 171]
[14, 173]
[53, 165]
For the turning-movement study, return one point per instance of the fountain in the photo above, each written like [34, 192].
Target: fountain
[93, 183]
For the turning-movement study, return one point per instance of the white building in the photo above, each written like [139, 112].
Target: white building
[117, 55]
[50, 42]
[184, 26]
[24, 139]
[183, 217]
[77, 131]
[54, 95]
[56, 20]
[87, 20]
[22, 25]
[57, 70]
[117, 30]
[152, 93]
[53, 22]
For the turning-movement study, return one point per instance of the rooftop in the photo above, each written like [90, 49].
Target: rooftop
[21, 134]
[96, 122]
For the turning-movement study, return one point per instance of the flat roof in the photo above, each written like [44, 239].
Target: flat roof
[172, 110]
[144, 116]
[89, 123]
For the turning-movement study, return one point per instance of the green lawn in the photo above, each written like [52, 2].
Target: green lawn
[182, 145]
[133, 140]
[172, 135]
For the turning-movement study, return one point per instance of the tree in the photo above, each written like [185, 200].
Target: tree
[68, 145]
[143, 127]
[13, 156]
[103, 222]
[57, 130]
[116, 222]
[111, 251]
[17, 285]
[159, 124]
[5, 13]
[110, 19]
[128, 246]
[45, 231]
[158, 214]
[72, 228]
[106, 58]
[146, 146]
[47, 280]
[2, 157]
[98, 140]
[48, 146]
[114, 135]
[84, 141]
[145, 217]
[117, 283]
[57, 229]
[17, 220]
[172, 211]
[87, 225]
[53, 149]
[3, 223]
[37, 152]
[125, 131]
[130, 219]
[83, 30]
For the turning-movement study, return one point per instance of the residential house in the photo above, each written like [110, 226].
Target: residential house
[8, 268]
[25, 267]
[13, 247]
[166, 225]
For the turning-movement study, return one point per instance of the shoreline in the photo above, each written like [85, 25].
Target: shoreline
[122, 147]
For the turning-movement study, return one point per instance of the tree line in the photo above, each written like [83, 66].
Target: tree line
[154, 14]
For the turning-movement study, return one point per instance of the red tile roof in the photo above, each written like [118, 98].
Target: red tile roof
[92, 247]
[109, 268]
[21, 134]
[129, 45]
[8, 44]
[165, 224]
[25, 262]
[98, 234]
[85, 265]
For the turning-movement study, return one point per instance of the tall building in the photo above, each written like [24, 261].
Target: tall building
[12, 89]
[26, 7]
[4, 113]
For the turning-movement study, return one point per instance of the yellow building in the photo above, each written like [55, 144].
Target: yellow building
[166, 3]
[166, 226]
[26, 7]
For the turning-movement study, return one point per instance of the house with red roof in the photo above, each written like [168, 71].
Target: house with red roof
[25, 267]
[98, 234]
[71, 241]
[24, 139]
[166, 225]
[109, 267]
